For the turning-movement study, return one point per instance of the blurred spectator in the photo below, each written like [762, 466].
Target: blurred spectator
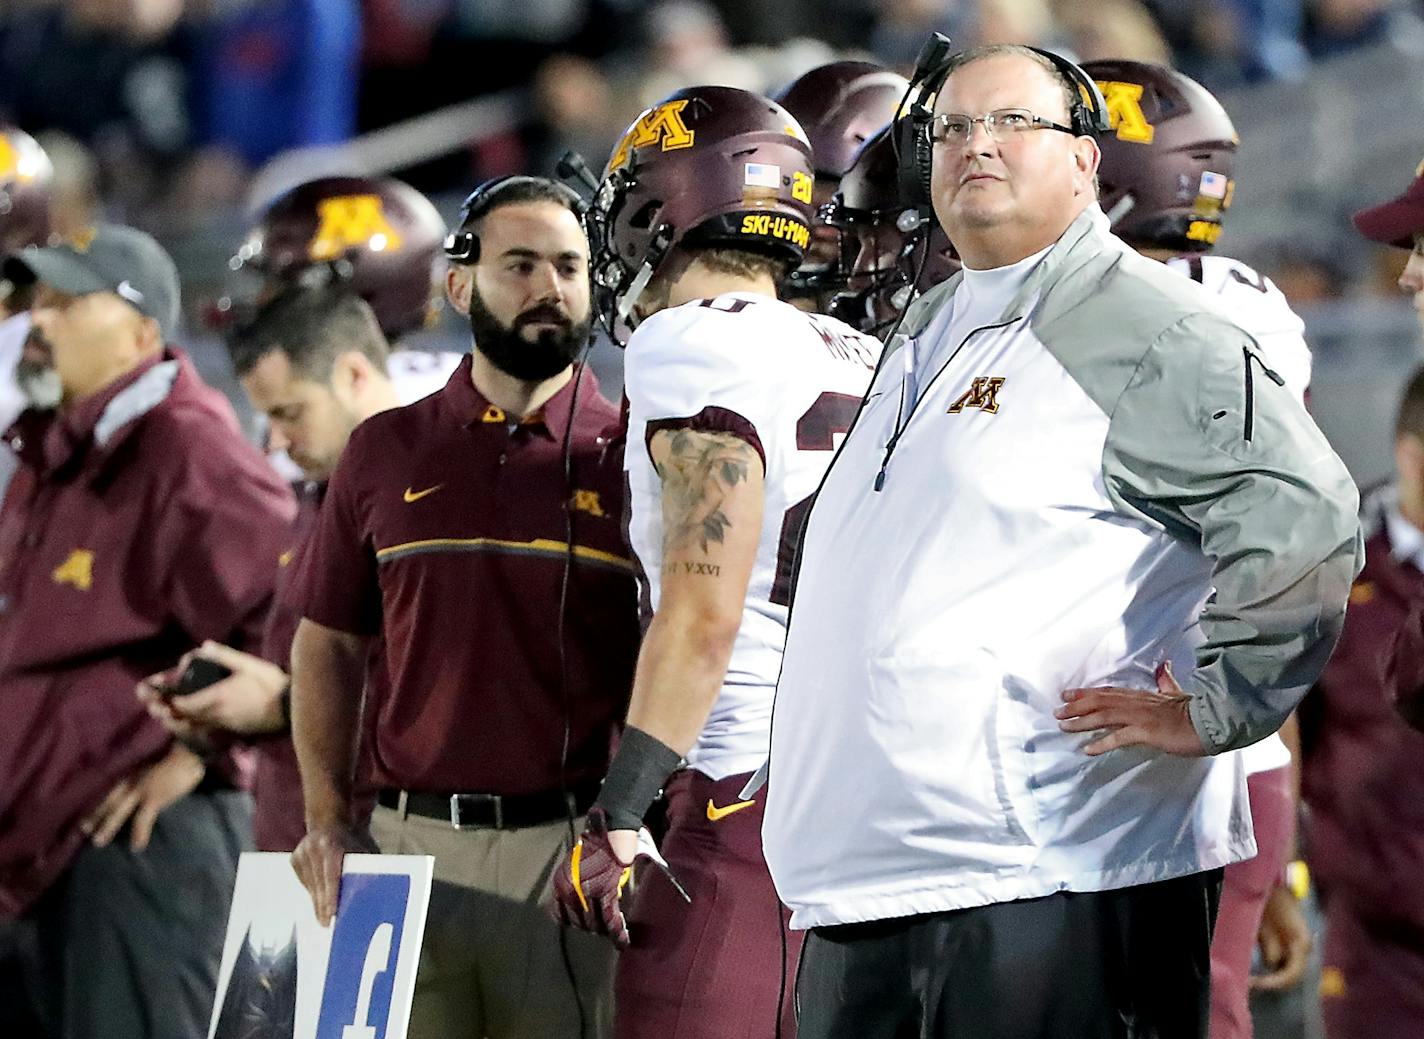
[75, 201]
[112, 74]
[903, 26]
[574, 102]
[688, 45]
[277, 74]
[1334, 26]
[1029, 22]
[1098, 30]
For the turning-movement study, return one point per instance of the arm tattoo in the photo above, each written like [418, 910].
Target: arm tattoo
[699, 471]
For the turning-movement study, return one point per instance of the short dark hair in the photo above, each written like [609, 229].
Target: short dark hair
[1411, 407]
[515, 190]
[313, 326]
[743, 263]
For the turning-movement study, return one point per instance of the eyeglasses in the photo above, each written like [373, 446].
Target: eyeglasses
[954, 128]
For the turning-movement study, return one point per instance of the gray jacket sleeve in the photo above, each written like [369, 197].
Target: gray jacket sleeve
[1204, 442]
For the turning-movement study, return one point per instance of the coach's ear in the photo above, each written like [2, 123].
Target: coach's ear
[459, 283]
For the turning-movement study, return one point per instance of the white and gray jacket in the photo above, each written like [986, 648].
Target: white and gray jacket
[1105, 478]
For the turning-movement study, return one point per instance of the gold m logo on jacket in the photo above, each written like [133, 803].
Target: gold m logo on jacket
[983, 393]
[589, 502]
[77, 570]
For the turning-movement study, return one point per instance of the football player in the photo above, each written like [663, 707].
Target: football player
[376, 233]
[899, 250]
[1166, 177]
[736, 402]
[840, 106]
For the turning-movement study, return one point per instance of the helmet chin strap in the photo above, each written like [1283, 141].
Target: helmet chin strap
[629, 299]
[656, 251]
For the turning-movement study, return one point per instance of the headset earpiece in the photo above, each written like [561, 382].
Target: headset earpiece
[1089, 113]
[913, 148]
[462, 245]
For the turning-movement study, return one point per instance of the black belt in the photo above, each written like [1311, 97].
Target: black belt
[493, 811]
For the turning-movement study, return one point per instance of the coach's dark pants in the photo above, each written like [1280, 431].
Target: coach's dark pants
[129, 942]
[1128, 964]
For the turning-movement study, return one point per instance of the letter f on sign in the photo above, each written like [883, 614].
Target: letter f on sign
[378, 959]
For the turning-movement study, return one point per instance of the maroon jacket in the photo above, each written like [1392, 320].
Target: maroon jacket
[1404, 675]
[1352, 739]
[139, 524]
[278, 818]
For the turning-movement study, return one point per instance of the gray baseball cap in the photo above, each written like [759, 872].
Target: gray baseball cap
[117, 259]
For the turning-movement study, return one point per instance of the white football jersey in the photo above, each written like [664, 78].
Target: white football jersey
[419, 373]
[1252, 301]
[789, 382]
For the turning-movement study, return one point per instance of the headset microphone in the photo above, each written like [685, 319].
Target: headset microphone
[573, 167]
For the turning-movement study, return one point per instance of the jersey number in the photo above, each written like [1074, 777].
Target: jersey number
[819, 429]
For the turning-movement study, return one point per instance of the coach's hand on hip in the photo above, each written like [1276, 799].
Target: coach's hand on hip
[318, 861]
[1133, 717]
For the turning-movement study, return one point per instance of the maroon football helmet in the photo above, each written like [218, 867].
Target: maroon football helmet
[381, 235]
[710, 167]
[1167, 165]
[840, 106]
[26, 181]
[901, 251]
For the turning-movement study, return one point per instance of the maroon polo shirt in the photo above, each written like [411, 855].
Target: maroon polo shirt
[444, 527]
[139, 524]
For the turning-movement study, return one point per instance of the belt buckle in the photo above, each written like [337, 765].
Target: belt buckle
[495, 799]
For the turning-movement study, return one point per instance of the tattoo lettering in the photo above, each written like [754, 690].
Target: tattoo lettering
[699, 471]
[696, 569]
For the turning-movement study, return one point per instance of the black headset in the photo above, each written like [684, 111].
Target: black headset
[1088, 115]
[462, 245]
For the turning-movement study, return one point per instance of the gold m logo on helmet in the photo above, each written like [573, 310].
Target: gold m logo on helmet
[983, 393]
[9, 158]
[661, 125]
[1125, 111]
[345, 222]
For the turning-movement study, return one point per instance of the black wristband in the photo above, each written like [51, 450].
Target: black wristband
[635, 778]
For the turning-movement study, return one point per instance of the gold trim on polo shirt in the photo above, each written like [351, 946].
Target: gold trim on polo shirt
[538, 547]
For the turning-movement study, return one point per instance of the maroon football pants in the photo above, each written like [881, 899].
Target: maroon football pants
[717, 966]
[1244, 890]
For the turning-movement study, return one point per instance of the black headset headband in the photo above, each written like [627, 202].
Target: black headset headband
[462, 245]
[1088, 112]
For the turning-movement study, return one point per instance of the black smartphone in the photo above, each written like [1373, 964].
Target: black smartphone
[199, 674]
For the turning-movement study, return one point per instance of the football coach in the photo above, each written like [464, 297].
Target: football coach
[1074, 480]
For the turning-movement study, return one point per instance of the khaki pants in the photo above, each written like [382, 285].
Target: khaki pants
[494, 964]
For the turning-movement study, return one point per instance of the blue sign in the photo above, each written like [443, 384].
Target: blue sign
[365, 946]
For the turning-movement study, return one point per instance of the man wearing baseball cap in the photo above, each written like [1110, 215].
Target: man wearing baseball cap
[1400, 222]
[1360, 774]
[139, 524]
